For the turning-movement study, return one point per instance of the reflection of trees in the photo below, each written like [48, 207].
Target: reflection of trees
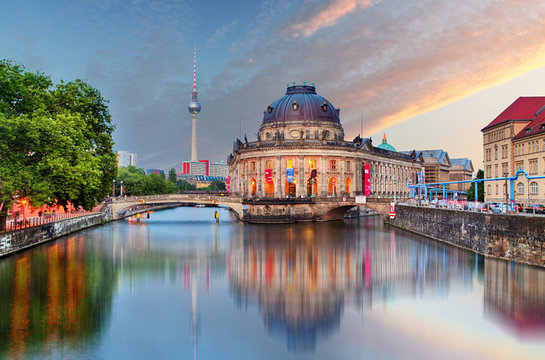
[514, 294]
[60, 294]
[302, 276]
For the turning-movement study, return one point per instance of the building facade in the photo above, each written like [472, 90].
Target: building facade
[301, 152]
[125, 159]
[515, 140]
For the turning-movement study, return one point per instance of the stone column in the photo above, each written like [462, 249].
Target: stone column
[259, 178]
[278, 185]
[342, 179]
[322, 186]
[300, 187]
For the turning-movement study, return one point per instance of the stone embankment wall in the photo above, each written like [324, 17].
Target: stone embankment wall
[511, 237]
[17, 240]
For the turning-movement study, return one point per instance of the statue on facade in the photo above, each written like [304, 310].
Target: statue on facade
[245, 139]
[301, 134]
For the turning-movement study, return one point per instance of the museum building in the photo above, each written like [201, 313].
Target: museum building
[301, 152]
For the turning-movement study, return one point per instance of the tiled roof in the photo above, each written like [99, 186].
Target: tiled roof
[524, 108]
[537, 126]
[463, 162]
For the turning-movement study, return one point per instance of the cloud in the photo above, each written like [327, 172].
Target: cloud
[327, 15]
[391, 61]
[220, 32]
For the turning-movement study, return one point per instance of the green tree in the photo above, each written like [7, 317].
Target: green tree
[135, 183]
[480, 188]
[172, 175]
[55, 141]
[185, 186]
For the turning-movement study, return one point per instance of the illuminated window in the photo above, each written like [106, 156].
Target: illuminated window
[295, 106]
[312, 164]
[332, 164]
[269, 164]
[290, 164]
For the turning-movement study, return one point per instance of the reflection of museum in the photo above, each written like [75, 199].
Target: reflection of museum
[303, 284]
[301, 151]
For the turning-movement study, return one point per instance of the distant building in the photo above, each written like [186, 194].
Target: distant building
[219, 169]
[515, 140]
[461, 170]
[125, 159]
[439, 168]
[154, 171]
[201, 167]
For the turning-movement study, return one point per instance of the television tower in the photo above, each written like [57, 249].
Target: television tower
[194, 108]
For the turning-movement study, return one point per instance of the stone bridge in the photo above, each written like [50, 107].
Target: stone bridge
[254, 210]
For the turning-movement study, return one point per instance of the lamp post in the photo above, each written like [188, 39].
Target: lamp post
[121, 189]
[113, 189]
[506, 196]
[23, 203]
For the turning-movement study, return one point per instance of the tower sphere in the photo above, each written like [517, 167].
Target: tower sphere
[194, 107]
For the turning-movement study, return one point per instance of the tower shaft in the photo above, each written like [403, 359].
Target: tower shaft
[194, 138]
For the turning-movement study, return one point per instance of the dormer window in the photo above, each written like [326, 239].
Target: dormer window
[324, 106]
[269, 109]
[528, 131]
[295, 105]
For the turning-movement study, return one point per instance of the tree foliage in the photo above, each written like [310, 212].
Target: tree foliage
[135, 183]
[55, 140]
[172, 175]
[480, 188]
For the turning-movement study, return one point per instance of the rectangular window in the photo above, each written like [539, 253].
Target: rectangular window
[488, 171]
[532, 164]
[332, 164]
[519, 165]
[496, 170]
[347, 165]
[504, 169]
[290, 164]
[252, 166]
[269, 164]
[312, 164]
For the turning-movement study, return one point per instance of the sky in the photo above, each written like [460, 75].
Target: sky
[430, 74]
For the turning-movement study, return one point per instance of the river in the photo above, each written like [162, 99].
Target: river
[177, 285]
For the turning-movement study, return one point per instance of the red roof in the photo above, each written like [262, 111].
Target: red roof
[524, 108]
[536, 126]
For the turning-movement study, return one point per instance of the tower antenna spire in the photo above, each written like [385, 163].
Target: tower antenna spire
[195, 68]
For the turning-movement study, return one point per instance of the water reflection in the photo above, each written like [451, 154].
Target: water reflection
[56, 295]
[294, 284]
[302, 276]
[514, 297]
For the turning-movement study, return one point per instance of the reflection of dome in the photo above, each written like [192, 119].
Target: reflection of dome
[385, 145]
[194, 107]
[301, 103]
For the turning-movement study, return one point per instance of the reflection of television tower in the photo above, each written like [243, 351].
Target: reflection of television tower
[194, 108]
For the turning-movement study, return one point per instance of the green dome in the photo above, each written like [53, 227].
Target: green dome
[385, 145]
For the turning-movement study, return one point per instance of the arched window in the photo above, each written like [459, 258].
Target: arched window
[347, 184]
[332, 187]
[253, 187]
[520, 188]
[533, 188]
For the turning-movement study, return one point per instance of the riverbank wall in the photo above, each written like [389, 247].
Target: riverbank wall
[17, 240]
[509, 237]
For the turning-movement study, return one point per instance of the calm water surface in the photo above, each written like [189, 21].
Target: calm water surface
[179, 286]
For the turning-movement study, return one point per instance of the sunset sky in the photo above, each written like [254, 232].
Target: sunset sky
[428, 73]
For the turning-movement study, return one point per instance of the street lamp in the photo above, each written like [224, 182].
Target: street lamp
[113, 189]
[506, 196]
[121, 191]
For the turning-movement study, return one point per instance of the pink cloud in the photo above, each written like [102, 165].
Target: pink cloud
[327, 16]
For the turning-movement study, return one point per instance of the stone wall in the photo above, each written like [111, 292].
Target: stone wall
[512, 237]
[17, 240]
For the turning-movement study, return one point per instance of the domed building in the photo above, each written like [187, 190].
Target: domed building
[385, 145]
[301, 151]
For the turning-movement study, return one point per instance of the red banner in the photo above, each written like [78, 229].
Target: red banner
[268, 176]
[366, 180]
